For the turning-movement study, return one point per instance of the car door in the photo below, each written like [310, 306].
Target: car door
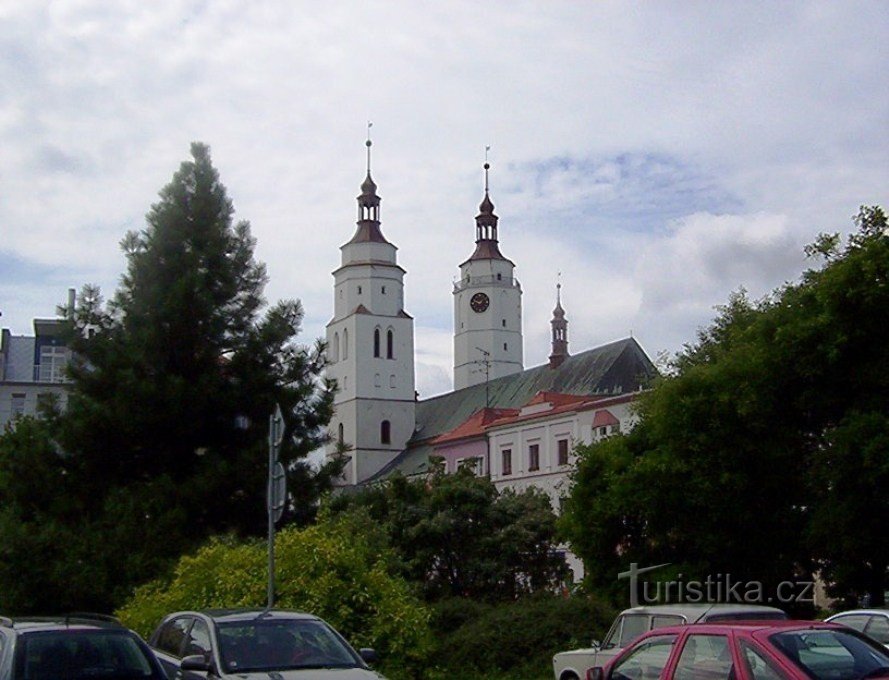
[169, 644]
[645, 661]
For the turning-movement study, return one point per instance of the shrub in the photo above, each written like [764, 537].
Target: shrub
[329, 569]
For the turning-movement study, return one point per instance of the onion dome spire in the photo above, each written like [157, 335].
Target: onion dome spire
[486, 247]
[560, 331]
[368, 205]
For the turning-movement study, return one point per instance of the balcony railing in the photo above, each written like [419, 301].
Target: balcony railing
[473, 281]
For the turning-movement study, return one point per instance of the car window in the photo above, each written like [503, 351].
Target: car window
[705, 657]
[878, 629]
[856, 621]
[662, 620]
[198, 640]
[633, 626]
[172, 636]
[758, 665]
[64, 655]
[646, 661]
[827, 654]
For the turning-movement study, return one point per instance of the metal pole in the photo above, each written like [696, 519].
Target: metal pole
[269, 504]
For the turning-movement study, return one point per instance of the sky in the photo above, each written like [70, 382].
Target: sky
[653, 156]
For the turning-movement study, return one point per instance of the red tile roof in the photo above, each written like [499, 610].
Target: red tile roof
[474, 425]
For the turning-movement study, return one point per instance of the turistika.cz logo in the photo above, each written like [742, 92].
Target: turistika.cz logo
[718, 588]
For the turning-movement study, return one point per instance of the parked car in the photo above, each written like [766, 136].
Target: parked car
[871, 622]
[73, 648]
[631, 623]
[236, 643]
[767, 650]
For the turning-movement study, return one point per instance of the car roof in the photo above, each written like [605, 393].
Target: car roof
[243, 614]
[724, 627]
[860, 612]
[70, 622]
[693, 612]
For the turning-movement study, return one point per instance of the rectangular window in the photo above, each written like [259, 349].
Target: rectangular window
[18, 404]
[384, 290]
[53, 362]
[533, 457]
[506, 456]
[563, 451]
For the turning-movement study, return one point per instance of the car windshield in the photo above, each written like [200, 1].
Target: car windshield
[77, 655]
[269, 645]
[833, 654]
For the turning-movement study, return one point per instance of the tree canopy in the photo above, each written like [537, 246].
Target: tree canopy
[764, 453]
[164, 440]
[457, 536]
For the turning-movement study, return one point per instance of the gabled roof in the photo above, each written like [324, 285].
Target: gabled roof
[619, 367]
[475, 425]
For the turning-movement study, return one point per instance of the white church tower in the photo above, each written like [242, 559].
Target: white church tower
[371, 346]
[487, 308]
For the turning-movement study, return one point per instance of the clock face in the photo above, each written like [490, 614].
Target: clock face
[479, 302]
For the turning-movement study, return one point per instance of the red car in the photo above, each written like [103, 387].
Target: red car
[765, 650]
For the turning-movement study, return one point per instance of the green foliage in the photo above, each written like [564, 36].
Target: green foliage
[514, 639]
[762, 455]
[331, 570]
[165, 434]
[456, 536]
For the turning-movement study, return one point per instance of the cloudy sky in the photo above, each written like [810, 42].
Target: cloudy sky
[658, 155]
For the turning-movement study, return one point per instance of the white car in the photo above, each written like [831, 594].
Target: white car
[872, 622]
[631, 623]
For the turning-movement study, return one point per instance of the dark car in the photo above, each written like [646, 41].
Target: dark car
[74, 648]
[238, 643]
[780, 650]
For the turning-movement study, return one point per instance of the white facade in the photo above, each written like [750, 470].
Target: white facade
[371, 348]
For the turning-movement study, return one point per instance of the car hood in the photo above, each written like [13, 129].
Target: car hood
[311, 674]
[586, 650]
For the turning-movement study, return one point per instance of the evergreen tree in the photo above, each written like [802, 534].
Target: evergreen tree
[165, 435]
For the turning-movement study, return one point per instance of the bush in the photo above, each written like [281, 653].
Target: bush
[515, 640]
[330, 569]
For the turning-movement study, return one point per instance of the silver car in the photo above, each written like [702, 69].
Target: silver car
[256, 644]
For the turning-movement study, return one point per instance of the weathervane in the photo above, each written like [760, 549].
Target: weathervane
[368, 144]
[487, 165]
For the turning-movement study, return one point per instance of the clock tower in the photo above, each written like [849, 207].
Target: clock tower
[487, 308]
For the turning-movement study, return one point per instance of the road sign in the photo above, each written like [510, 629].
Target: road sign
[278, 496]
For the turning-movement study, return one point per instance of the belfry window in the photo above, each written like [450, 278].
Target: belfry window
[390, 345]
[385, 432]
[376, 342]
[345, 343]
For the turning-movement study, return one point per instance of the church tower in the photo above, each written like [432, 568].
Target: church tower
[560, 332]
[370, 346]
[487, 308]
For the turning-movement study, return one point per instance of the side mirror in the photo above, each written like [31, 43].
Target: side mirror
[595, 673]
[595, 644]
[368, 655]
[195, 662]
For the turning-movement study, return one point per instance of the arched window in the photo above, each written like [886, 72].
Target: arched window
[345, 343]
[385, 432]
[340, 436]
[390, 345]
[335, 350]
[376, 342]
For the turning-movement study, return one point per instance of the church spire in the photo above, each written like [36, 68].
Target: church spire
[368, 206]
[486, 246]
[560, 331]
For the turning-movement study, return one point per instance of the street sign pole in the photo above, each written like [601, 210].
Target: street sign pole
[276, 436]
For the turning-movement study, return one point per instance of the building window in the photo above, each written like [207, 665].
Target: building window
[340, 436]
[504, 347]
[499, 276]
[345, 344]
[335, 350]
[533, 457]
[384, 290]
[506, 460]
[476, 464]
[376, 380]
[376, 342]
[359, 290]
[345, 383]
[18, 405]
[53, 361]
[562, 445]
[503, 323]
[392, 381]
[390, 345]
[385, 432]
